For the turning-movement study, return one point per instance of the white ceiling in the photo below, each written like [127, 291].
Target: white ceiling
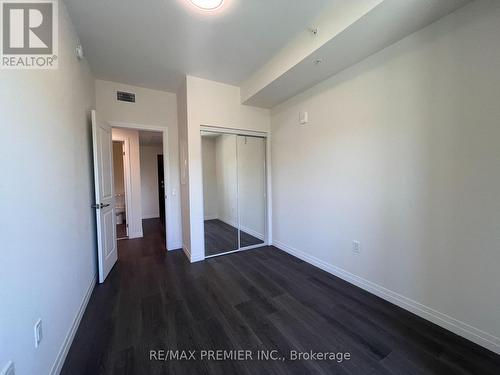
[148, 138]
[387, 23]
[155, 43]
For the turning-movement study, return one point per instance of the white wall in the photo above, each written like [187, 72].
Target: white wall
[214, 104]
[402, 153]
[134, 209]
[184, 167]
[252, 185]
[332, 20]
[153, 108]
[227, 179]
[149, 181]
[48, 251]
[210, 201]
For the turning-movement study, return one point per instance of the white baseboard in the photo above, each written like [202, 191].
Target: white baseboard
[187, 252]
[135, 235]
[174, 246]
[253, 233]
[197, 258]
[243, 228]
[150, 216]
[63, 351]
[211, 217]
[463, 329]
[228, 222]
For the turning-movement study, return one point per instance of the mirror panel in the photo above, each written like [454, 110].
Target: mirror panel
[251, 155]
[220, 191]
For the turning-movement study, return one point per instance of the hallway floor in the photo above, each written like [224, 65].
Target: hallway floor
[261, 299]
[121, 231]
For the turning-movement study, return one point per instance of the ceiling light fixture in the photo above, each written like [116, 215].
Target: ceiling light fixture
[207, 5]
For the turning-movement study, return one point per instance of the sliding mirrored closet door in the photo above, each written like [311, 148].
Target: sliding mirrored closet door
[220, 192]
[234, 192]
[251, 155]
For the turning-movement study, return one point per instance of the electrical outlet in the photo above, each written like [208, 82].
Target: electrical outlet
[356, 247]
[38, 333]
[8, 369]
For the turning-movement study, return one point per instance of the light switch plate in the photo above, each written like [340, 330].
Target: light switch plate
[356, 247]
[38, 333]
[303, 118]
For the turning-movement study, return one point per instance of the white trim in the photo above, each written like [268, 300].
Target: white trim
[176, 246]
[129, 125]
[128, 182]
[127, 178]
[211, 217]
[63, 351]
[224, 253]
[253, 233]
[267, 237]
[169, 211]
[238, 211]
[220, 129]
[269, 190]
[251, 247]
[150, 216]
[463, 329]
[229, 222]
[197, 259]
[247, 230]
[135, 235]
[187, 252]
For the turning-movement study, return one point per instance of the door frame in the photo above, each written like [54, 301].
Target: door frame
[159, 186]
[126, 176]
[169, 233]
[268, 210]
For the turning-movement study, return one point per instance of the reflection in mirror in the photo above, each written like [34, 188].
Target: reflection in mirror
[251, 155]
[220, 192]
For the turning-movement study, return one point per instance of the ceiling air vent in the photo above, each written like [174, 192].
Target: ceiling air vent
[123, 96]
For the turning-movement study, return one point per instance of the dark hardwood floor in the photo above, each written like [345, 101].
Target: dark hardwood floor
[121, 230]
[221, 237]
[261, 299]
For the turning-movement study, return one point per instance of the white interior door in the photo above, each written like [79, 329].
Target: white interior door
[104, 196]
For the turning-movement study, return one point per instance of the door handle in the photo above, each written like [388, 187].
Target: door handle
[100, 206]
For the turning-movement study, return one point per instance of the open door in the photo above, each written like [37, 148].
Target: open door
[104, 196]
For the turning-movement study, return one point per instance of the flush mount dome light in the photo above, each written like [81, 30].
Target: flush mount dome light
[207, 4]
